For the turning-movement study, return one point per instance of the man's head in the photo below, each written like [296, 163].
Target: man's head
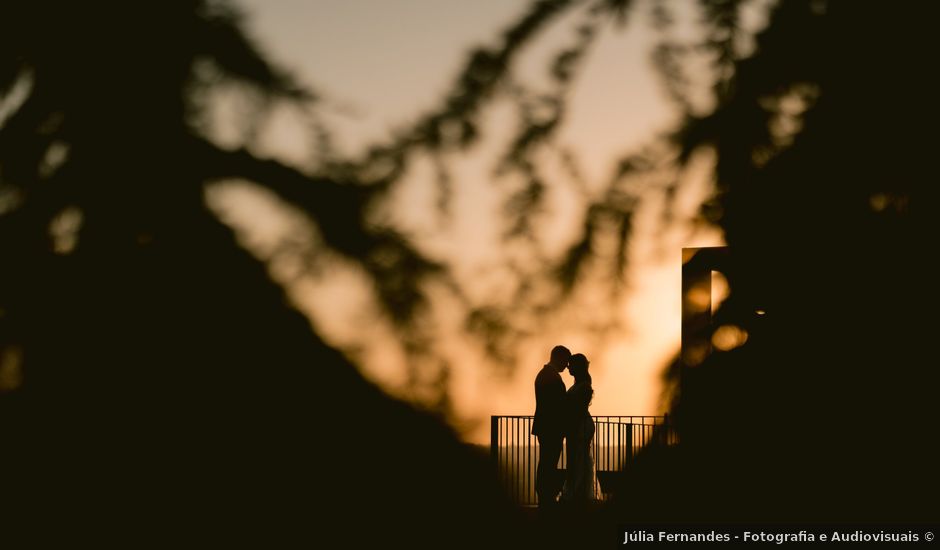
[560, 357]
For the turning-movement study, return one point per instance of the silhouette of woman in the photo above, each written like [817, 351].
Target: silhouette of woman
[579, 482]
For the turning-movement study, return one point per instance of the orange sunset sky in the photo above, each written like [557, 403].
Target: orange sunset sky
[381, 64]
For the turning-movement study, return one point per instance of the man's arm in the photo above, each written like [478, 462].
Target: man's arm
[556, 395]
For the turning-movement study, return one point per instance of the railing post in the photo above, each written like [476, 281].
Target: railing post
[494, 440]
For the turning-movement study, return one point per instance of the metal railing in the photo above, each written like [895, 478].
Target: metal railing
[617, 439]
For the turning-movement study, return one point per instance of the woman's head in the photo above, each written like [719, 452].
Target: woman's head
[578, 367]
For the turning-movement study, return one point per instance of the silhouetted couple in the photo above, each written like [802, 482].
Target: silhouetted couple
[561, 414]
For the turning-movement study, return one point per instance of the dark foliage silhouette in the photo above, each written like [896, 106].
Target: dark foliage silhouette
[825, 197]
[156, 381]
[151, 373]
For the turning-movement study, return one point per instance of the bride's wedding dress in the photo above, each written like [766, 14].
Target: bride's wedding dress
[580, 479]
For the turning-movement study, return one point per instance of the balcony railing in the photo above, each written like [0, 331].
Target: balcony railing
[617, 439]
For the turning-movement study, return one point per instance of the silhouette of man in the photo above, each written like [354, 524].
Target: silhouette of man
[548, 424]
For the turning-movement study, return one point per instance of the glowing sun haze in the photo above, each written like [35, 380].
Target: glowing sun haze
[382, 64]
